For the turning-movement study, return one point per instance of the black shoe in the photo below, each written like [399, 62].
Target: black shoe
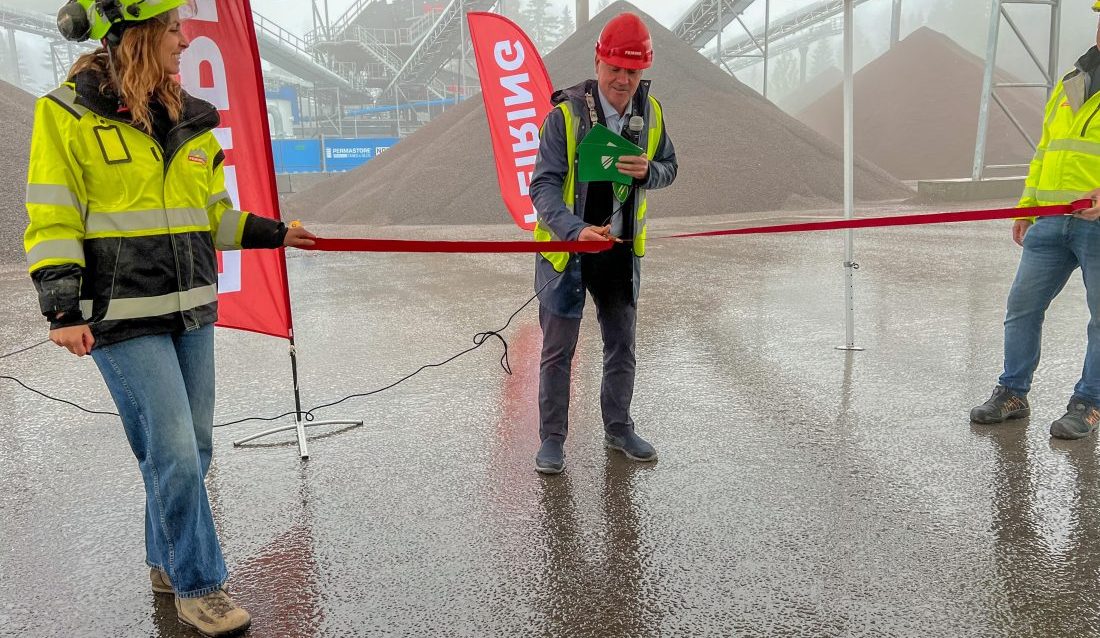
[1079, 421]
[1003, 405]
[551, 457]
[633, 446]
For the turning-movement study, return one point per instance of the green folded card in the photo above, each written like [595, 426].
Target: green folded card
[598, 153]
[600, 135]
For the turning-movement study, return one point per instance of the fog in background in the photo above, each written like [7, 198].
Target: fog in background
[966, 21]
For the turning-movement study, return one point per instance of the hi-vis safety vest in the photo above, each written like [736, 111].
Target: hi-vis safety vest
[140, 227]
[1066, 165]
[655, 118]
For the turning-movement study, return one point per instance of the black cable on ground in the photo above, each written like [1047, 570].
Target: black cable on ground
[480, 339]
[43, 394]
[12, 354]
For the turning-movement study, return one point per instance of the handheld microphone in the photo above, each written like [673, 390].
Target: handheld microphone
[634, 128]
[633, 132]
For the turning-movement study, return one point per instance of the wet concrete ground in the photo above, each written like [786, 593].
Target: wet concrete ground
[801, 491]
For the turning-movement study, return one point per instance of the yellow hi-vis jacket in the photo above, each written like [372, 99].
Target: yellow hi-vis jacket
[655, 129]
[123, 230]
[560, 199]
[1066, 165]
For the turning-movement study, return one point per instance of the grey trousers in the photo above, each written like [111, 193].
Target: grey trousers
[617, 317]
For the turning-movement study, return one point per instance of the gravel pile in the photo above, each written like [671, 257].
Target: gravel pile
[17, 114]
[917, 111]
[737, 151]
[814, 89]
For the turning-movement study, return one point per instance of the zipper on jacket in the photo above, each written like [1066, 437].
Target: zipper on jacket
[184, 314]
[168, 160]
[163, 187]
[1085, 130]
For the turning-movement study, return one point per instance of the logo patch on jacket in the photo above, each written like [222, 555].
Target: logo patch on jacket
[198, 156]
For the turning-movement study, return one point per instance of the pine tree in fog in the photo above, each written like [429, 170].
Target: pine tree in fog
[823, 56]
[537, 19]
[783, 76]
[566, 25]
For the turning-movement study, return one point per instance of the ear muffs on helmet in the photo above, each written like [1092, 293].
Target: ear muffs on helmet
[73, 22]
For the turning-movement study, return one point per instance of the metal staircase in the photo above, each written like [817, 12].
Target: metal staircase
[439, 44]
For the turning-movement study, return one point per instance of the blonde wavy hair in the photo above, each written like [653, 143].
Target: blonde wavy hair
[133, 71]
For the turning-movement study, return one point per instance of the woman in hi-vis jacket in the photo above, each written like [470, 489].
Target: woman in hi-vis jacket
[127, 203]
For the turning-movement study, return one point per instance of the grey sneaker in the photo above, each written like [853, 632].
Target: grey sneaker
[159, 579]
[551, 457]
[633, 446]
[1080, 419]
[214, 614]
[1003, 405]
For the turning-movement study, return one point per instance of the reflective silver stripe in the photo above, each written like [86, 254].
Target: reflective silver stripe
[227, 230]
[66, 96]
[144, 220]
[1059, 196]
[217, 197]
[136, 308]
[54, 195]
[1077, 146]
[68, 249]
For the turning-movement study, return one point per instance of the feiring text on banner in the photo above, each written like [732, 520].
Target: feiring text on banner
[222, 66]
[516, 89]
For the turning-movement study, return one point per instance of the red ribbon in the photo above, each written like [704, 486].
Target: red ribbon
[427, 246]
[903, 220]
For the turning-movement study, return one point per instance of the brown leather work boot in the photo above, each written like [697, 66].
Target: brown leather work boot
[214, 614]
[159, 579]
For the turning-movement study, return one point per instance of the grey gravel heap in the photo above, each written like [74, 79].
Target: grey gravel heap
[737, 151]
[17, 114]
[917, 111]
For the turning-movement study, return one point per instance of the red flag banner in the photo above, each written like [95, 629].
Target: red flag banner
[222, 66]
[516, 89]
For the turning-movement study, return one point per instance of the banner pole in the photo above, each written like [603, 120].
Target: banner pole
[300, 429]
[300, 424]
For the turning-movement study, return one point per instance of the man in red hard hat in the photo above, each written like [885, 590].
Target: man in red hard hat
[595, 211]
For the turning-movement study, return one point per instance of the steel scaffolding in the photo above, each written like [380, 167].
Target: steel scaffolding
[815, 15]
[999, 14]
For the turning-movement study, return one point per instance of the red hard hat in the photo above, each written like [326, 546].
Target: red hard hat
[625, 43]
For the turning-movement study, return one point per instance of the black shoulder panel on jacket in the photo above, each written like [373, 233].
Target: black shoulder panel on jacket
[65, 97]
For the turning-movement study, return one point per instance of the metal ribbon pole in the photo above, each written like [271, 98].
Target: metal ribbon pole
[850, 264]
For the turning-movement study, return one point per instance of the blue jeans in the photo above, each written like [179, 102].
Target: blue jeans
[163, 386]
[1053, 248]
[617, 317]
